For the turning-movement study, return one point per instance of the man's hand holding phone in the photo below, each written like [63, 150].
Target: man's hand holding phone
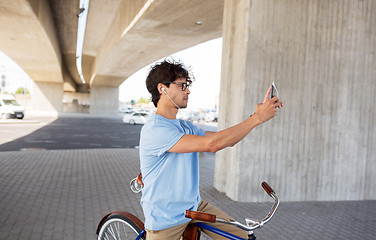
[273, 91]
[268, 108]
[272, 94]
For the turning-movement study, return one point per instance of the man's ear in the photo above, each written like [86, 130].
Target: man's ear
[159, 87]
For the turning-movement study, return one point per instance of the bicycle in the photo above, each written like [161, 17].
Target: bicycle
[124, 225]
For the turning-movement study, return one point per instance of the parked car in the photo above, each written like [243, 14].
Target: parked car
[126, 109]
[211, 117]
[9, 108]
[136, 118]
[189, 116]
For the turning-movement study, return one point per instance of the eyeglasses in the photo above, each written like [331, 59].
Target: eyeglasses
[184, 85]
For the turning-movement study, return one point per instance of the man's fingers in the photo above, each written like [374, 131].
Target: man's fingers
[267, 94]
[276, 103]
[275, 99]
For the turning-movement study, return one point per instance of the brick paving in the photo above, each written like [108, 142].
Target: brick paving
[62, 194]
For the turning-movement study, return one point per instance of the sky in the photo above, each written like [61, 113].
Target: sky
[203, 59]
[14, 76]
[205, 62]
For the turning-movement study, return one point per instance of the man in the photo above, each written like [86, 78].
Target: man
[169, 154]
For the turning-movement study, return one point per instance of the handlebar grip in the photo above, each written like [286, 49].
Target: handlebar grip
[267, 188]
[139, 179]
[200, 216]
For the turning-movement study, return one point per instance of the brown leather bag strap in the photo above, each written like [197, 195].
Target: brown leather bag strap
[206, 217]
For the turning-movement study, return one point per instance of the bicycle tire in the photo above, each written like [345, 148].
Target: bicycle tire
[119, 226]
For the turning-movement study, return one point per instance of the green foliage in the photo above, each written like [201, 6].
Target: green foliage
[21, 91]
[143, 100]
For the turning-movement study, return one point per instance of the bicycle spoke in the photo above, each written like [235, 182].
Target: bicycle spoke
[121, 228]
[125, 232]
[111, 231]
[117, 227]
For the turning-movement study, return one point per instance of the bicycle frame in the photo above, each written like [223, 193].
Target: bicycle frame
[201, 217]
[141, 234]
[207, 227]
[250, 224]
[218, 231]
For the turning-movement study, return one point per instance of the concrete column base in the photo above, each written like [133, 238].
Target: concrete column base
[104, 100]
[46, 99]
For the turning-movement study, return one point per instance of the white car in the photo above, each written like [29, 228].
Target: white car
[9, 108]
[136, 118]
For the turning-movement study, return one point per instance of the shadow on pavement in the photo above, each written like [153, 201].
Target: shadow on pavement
[76, 133]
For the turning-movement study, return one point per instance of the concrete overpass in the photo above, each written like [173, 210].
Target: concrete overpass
[121, 37]
[321, 53]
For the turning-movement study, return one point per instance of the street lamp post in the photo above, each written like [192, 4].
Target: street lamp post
[3, 77]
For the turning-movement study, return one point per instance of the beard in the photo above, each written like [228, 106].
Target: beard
[185, 103]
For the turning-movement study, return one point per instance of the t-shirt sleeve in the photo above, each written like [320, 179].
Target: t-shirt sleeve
[156, 140]
[196, 130]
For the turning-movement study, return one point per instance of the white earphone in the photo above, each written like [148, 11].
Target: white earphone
[163, 90]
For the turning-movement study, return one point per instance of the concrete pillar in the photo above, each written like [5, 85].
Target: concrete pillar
[321, 55]
[104, 100]
[46, 99]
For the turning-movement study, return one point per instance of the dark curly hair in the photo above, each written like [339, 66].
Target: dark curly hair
[163, 72]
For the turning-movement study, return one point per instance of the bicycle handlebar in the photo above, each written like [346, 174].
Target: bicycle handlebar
[267, 188]
[251, 224]
[136, 184]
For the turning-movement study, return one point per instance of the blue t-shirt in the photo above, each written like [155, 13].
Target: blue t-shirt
[171, 180]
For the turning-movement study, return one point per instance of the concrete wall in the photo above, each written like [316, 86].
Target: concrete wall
[104, 100]
[321, 54]
[46, 99]
[76, 102]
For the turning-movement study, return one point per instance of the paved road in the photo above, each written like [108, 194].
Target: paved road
[62, 194]
[68, 133]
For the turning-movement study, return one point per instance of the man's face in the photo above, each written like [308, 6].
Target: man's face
[178, 95]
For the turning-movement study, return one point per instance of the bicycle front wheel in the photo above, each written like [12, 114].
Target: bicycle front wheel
[118, 226]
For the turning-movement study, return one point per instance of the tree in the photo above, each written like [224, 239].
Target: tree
[143, 100]
[21, 91]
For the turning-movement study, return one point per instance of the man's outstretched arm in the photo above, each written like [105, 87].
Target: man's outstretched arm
[215, 141]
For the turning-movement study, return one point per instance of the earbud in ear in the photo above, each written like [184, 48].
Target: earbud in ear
[163, 90]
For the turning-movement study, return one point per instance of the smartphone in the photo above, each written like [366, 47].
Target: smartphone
[274, 91]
